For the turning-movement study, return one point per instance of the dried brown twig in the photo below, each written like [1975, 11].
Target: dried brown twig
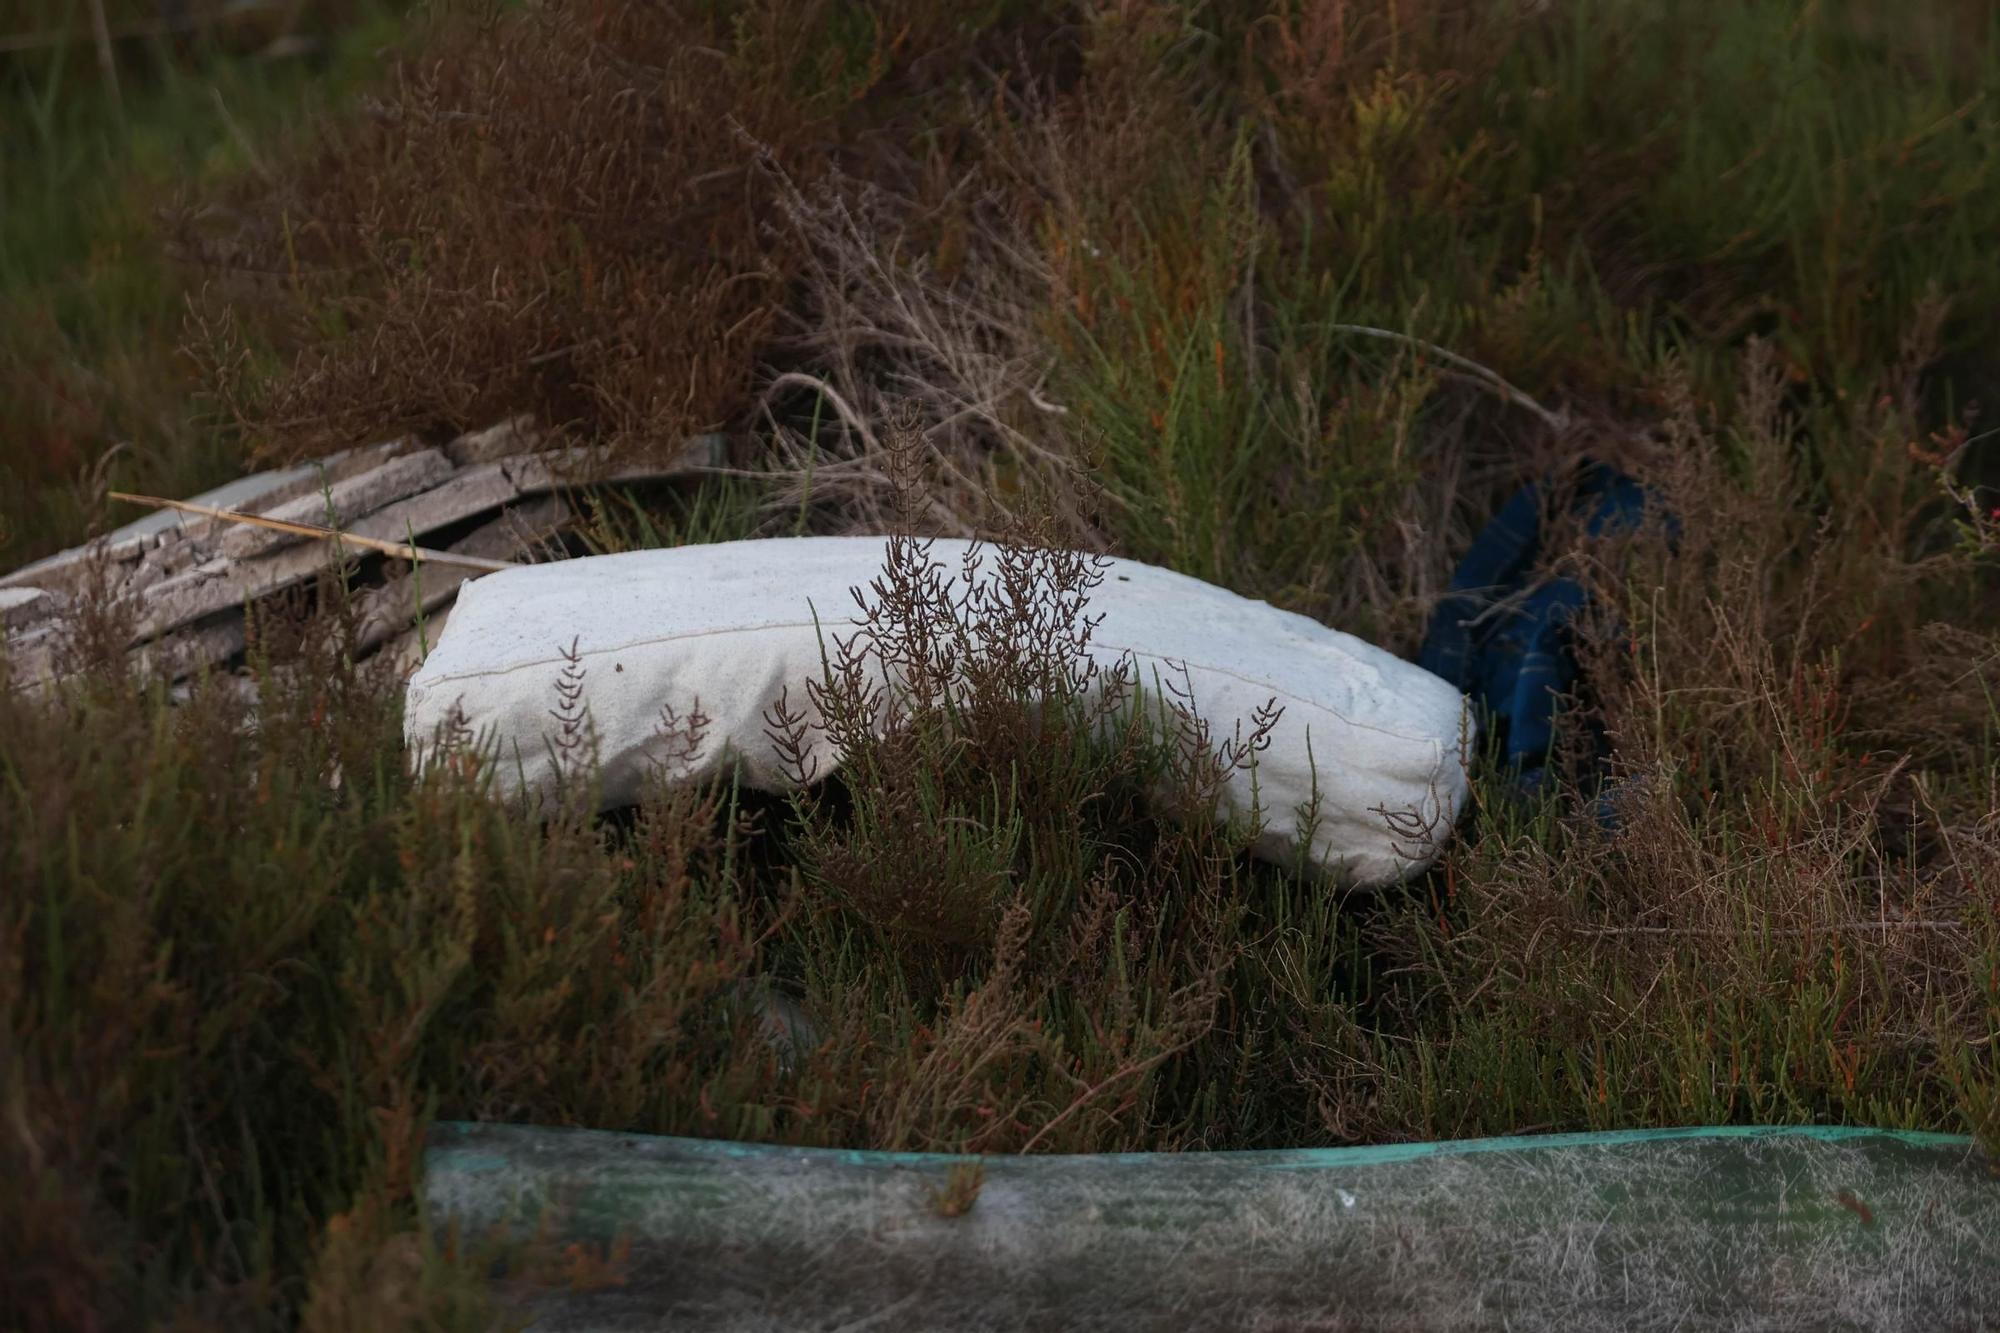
[403, 550]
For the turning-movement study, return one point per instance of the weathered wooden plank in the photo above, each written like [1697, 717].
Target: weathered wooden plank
[582, 466]
[162, 531]
[20, 606]
[385, 611]
[1700, 1228]
[153, 549]
[31, 657]
[179, 571]
[388, 610]
[186, 651]
[475, 490]
[159, 563]
[518, 436]
[167, 543]
[342, 503]
[519, 440]
[217, 583]
[483, 486]
[214, 584]
[221, 584]
[193, 593]
[197, 535]
[72, 570]
[346, 536]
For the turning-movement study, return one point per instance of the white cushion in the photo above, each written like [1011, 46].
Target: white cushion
[729, 626]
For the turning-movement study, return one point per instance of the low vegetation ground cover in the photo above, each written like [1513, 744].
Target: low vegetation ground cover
[1290, 298]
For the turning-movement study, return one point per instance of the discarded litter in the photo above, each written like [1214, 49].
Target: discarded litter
[1369, 746]
[1503, 631]
[187, 571]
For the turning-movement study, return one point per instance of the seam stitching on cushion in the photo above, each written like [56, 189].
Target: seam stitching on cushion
[1287, 695]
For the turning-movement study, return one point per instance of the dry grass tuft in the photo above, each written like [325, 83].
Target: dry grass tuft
[546, 212]
[1787, 902]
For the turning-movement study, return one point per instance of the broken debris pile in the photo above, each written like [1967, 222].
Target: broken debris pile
[494, 495]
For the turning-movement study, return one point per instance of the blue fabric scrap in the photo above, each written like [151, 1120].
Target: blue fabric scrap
[1501, 633]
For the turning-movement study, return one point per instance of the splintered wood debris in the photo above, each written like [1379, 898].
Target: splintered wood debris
[183, 579]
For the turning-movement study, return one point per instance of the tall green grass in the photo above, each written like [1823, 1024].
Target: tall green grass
[93, 386]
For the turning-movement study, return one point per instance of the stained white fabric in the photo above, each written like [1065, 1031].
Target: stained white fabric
[726, 627]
